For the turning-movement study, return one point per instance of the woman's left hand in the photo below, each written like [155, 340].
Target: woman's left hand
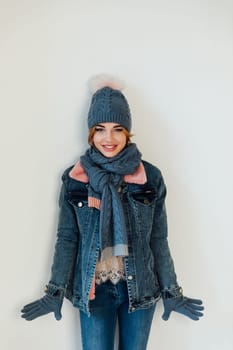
[189, 307]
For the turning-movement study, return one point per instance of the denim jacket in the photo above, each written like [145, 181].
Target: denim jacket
[149, 266]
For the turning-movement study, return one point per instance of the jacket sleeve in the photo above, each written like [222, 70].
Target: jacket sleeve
[66, 246]
[164, 266]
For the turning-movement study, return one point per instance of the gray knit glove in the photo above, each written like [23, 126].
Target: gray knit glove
[177, 302]
[49, 303]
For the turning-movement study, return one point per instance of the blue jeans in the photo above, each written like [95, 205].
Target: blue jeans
[111, 304]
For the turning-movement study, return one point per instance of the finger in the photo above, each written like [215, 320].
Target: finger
[38, 314]
[31, 316]
[189, 314]
[58, 315]
[31, 312]
[193, 311]
[166, 315]
[29, 306]
[195, 307]
[196, 313]
[194, 301]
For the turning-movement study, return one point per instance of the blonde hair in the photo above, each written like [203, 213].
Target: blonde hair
[93, 130]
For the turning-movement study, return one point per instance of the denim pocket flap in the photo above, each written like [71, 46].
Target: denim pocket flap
[146, 196]
[78, 198]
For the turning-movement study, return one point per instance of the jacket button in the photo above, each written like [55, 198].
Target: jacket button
[130, 277]
[80, 204]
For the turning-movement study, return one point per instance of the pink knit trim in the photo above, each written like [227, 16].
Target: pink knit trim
[78, 173]
[94, 202]
[138, 177]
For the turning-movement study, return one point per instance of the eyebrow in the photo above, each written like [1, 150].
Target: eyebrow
[115, 126]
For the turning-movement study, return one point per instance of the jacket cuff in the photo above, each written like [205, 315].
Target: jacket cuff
[54, 290]
[169, 293]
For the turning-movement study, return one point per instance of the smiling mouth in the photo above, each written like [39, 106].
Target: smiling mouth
[109, 147]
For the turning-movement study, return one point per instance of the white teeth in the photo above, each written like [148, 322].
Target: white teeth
[109, 147]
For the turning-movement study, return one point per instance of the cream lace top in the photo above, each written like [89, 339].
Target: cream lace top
[110, 269]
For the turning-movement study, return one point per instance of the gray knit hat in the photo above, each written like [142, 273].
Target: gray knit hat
[108, 104]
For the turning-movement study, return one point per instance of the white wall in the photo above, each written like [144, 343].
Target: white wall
[176, 58]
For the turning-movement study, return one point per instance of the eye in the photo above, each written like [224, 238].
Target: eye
[99, 129]
[118, 129]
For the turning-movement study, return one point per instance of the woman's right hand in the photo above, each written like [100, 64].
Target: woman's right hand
[43, 306]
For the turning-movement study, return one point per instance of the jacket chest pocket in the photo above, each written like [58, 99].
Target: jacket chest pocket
[143, 197]
[78, 199]
[141, 206]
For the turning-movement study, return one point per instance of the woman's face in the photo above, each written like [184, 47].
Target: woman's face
[109, 139]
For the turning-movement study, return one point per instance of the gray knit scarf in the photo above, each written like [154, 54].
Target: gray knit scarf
[105, 176]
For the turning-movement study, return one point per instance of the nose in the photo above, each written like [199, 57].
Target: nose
[108, 136]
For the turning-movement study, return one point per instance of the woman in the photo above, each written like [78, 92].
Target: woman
[112, 259]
